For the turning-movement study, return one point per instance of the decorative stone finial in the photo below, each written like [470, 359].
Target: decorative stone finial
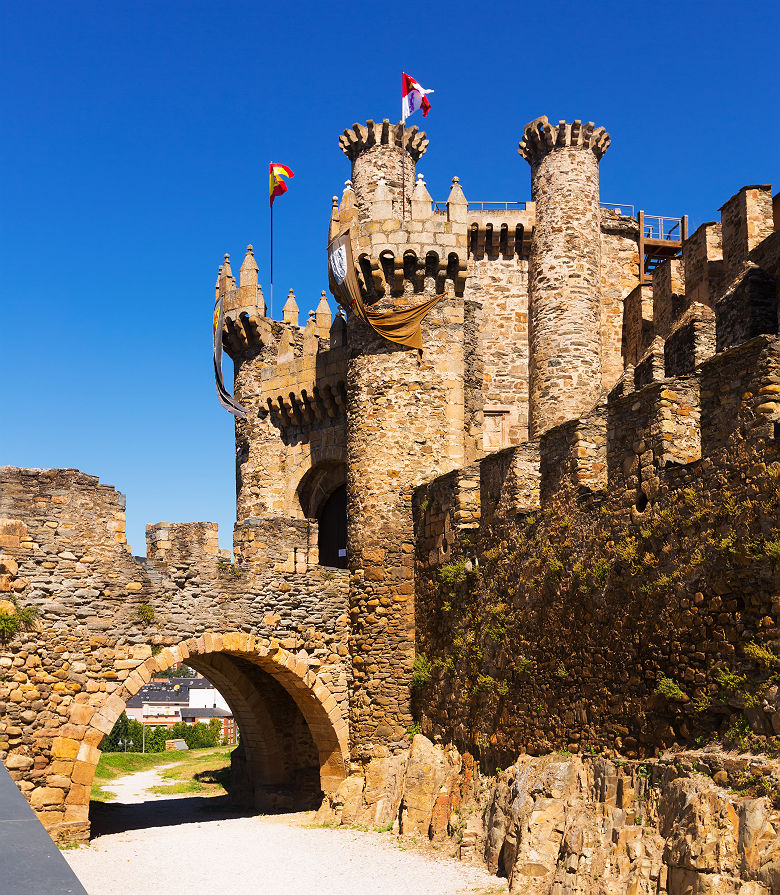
[323, 316]
[290, 309]
[226, 281]
[422, 206]
[249, 269]
[540, 137]
[457, 206]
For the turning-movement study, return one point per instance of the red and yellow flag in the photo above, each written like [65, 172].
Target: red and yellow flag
[277, 185]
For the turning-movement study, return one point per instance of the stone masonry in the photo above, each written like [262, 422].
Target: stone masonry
[559, 399]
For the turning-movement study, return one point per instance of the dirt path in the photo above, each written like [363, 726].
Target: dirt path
[168, 844]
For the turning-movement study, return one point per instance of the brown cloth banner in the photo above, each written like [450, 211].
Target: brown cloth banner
[401, 326]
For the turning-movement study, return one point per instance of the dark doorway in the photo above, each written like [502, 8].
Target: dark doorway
[332, 540]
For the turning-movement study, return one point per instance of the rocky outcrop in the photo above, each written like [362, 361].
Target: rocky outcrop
[700, 823]
[417, 791]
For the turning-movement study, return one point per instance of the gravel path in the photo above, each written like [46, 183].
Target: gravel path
[166, 845]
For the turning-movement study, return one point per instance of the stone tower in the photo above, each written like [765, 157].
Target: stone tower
[375, 151]
[565, 270]
[404, 418]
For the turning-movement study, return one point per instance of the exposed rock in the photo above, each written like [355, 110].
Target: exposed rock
[584, 825]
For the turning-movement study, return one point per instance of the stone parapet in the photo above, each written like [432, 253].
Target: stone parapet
[746, 221]
[184, 539]
[747, 309]
[540, 137]
[279, 542]
[668, 295]
[740, 389]
[691, 341]
[638, 329]
[574, 456]
[647, 430]
[702, 255]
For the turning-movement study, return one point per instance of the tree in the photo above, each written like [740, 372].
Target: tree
[127, 729]
[196, 736]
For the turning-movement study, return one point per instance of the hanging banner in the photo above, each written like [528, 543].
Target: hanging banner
[225, 398]
[399, 326]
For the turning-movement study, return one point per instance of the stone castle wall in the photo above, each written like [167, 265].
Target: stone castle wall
[405, 422]
[107, 620]
[632, 547]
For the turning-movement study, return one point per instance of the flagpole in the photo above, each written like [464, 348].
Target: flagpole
[403, 155]
[271, 315]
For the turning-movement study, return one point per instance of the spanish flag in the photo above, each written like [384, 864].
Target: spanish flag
[277, 185]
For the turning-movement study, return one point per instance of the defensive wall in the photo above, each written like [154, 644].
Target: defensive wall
[404, 553]
[269, 630]
[615, 583]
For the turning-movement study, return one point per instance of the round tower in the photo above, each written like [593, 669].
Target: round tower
[564, 271]
[405, 425]
[376, 151]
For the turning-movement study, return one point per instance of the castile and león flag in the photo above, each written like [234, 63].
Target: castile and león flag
[413, 97]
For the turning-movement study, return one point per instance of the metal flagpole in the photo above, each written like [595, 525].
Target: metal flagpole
[271, 315]
[403, 159]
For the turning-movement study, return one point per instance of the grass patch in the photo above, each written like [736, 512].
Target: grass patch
[211, 765]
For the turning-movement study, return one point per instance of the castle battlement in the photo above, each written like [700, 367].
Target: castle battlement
[540, 137]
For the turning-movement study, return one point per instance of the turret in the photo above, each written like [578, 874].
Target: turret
[376, 151]
[565, 270]
[405, 411]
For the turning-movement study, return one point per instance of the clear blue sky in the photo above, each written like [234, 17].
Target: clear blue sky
[135, 150]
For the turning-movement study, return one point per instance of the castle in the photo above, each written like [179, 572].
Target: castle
[577, 354]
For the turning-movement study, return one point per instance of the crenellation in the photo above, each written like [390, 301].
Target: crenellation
[691, 341]
[748, 308]
[746, 221]
[651, 366]
[573, 456]
[669, 299]
[647, 430]
[702, 255]
[638, 330]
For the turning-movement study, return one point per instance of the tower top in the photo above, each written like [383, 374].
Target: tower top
[541, 137]
[360, 137]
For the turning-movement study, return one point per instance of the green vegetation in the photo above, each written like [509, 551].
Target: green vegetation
[421, 671]
[206, 769]
[670, 689]
[196, 736]
[15, 618]
[761, 655]
[146, 613]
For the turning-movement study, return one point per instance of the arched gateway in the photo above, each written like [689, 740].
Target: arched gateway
[269, 630]
[249, 672]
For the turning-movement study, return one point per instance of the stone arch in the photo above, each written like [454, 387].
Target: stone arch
[322, 493]
[302, 474]
[225, 658]
[318, 483]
